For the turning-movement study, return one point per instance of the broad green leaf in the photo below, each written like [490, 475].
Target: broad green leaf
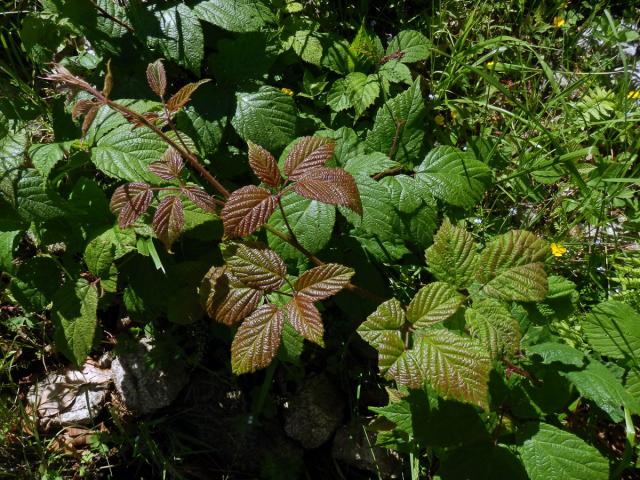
[35, 283]
[398, 129]
[338, 97]
[379, 218]
[257, 340]
[557, 352]
[433, 303]
[369, 164]
[90, 203]
[597, 383]
[45, 156]
[404, 192]
[413, 46]
[613, 330]
[7, 245]
[266, 117]
[311, 221]
[31, 198]
[632, 383]
[549, 452]
[366, 47]
[454, 176]
[395, 71]
[483, 461]
[176, 32]
[361, 91]
[382, 331]
[234, 15]
[420, 225]
[256, 266]
[511, 268]
[108, 119]
[347, 144]
[307, 45]
[126, 153]
[338, 57]
[100, 253]
[452, 257]
[491, 322]
[75, 319]
[456, 367]
[291, 346]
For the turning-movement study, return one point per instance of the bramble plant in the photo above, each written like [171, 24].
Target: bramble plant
[431, 211]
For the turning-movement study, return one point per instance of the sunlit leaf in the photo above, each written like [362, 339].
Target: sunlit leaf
[182, 96]
[157, 78]
[323, 281]
[452, 257]
[130, 201]
[382, 331]
[433, 303]
[169, 166]
[307, 154]
[264, 165]
[305, 318]
[168, 220]
[201, 198]
[491, 322]
[256, 266]
[257, 340]
[330, 185]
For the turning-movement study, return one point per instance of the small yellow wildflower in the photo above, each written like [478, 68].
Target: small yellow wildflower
[491, 65]
[439, 119]
[633, 95]
[287, 91]
[454, 114]
[557, 250]
[558, 22]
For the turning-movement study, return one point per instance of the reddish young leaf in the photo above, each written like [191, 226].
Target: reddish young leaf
[225, 299]
[305, 318]
[157, 77]
[169, 220]
[323, 281]
[257, 340]
[88, 119]
[82, 107]
[182, 97]
[256, 266]
[246, 210]
[169, 166]
[108, 81]
[330, 185]
[307, 154]
[129, 201]
[264, 165]
[201, 198]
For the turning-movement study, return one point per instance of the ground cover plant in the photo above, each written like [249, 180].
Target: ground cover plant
[279, 239]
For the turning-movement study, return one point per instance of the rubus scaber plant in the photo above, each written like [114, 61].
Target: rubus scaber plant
[434, 208]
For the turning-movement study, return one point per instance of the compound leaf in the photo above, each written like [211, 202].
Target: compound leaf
[413, 46]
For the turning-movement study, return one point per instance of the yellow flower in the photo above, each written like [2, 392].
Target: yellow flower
[633, 95]
[439, 120]
[491, 65]
[454, 114]
[557, 250]
[287, 91]
[558, 22]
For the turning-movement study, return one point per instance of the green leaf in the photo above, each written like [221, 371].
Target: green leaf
[206, 121]
[35, 283]
[291, 346]
[491, 322]
[234, 15]
[30, 197]
[307, 45]
[379, 218]
[338, 97]
[413, 46]
[420, 225]
[454, 176]
[398, 129]
[395, 72]
[176, 32]
[7, 246]
[511, 268]
[311, 221]
[361, 90]
[433, 303]
[404, 192]
[381, 330]
[613, 330]
[257, 340]
[557, 352]
[455, 366]
[45, 156]
[548, 452]
[369, 164]
[100, 254]
[597, 383]
[126, 153]
[452, 258]
[482, 462]
[107, 119]
[75, 319]
[266, 117]
[338, 57]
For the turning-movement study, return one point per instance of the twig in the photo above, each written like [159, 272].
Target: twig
[111, 17]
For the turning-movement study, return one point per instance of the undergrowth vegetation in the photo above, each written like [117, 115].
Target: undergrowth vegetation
[340, 239]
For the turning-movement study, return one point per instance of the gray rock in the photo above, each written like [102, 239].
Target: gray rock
[315, 412]
[144, 388]
[354, 446]
[70, 397]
